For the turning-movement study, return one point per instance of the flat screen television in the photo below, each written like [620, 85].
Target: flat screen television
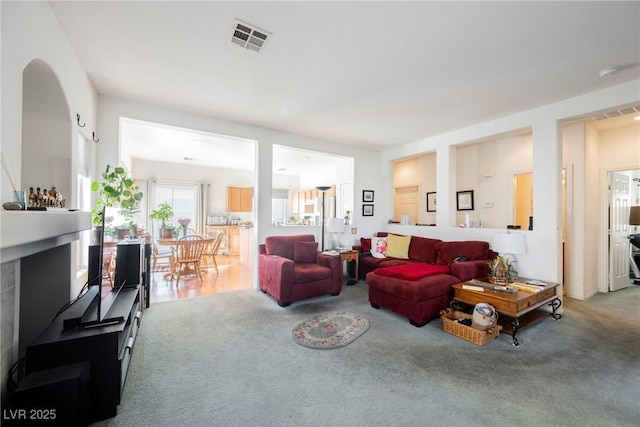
[97, 304]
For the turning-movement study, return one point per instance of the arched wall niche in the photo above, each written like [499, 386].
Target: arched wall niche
[46, 131]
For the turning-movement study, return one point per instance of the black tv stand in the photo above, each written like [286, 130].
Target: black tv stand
[107, 348]
[90, 317]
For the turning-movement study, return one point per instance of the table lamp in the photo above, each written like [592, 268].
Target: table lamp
[508, 245]
[335, 226]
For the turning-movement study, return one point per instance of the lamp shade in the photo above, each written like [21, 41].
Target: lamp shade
[509, 243]
[634, 215]
[335, 225]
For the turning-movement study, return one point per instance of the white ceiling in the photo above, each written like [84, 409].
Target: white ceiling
[377, 73]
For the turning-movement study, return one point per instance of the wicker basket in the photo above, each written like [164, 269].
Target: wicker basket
[449, 324]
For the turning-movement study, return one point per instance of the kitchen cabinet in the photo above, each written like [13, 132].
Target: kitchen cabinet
[239, 199]
[230, 244]
[224, 244]
[234, 240]
[305, 202]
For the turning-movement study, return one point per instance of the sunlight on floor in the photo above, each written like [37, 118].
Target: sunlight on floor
[231, 276]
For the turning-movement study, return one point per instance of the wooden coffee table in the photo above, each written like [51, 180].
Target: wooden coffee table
[521, 307]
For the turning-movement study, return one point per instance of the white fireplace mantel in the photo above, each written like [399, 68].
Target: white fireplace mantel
[24, 233]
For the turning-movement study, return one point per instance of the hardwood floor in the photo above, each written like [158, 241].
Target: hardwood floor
[231, 276]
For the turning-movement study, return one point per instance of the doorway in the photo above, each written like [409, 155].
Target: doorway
[523, 197]
[406, 202]
[619, 197]
[592, 147]
[193, 171]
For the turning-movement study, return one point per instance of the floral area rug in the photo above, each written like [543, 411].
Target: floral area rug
[329, 330]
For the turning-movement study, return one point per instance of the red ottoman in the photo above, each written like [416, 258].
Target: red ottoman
[420, 299]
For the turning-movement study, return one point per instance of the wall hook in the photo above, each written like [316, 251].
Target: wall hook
[94, 137]
[78, 118]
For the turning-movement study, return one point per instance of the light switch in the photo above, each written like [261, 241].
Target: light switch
[354, 230]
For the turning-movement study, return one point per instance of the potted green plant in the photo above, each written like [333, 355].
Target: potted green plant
[173, 230]
[116, 189]
[163, 212]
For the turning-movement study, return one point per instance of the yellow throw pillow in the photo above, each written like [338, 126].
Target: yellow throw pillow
[398, 246]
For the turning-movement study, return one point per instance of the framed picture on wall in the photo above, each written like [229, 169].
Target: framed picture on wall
[431, 202]
[464, 200]
[367, 210]
[367, 196]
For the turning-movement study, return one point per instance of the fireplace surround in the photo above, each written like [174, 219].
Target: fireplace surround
[35, 274]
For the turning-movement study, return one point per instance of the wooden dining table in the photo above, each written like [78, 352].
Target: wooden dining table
[172, 242]
[167, 241]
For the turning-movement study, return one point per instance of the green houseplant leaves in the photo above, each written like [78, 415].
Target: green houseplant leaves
[116, 189]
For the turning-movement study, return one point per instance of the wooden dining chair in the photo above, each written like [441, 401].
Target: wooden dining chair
[108, 267]
[211, 247]
[158, 256]
[187, 252]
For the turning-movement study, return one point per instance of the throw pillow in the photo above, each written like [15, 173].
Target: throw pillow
[378, 247]
[398, 246]
[305, 251]
[365, 245]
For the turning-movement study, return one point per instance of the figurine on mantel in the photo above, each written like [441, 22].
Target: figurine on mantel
[43, 198]
[55, 198]
[32, 197]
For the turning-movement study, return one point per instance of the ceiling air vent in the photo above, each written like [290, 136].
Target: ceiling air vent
[249, 36]
[616, 113]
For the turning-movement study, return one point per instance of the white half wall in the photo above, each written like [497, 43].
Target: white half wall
[366, 161]
[544, 244]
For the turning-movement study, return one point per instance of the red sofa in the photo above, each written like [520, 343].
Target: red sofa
[291, 269]
[420, 286]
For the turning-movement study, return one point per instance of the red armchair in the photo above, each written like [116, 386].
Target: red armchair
[291, 269]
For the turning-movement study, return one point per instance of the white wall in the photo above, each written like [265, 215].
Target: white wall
[544, 244]
[573, 155]
[30, 31]
[618, 149]
[366, 161]
[218, 179]
[504, 157]
[590, 212]
[20, 45]
[588, 154]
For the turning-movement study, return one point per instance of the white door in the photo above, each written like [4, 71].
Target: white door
[406, 203]
[618, 231]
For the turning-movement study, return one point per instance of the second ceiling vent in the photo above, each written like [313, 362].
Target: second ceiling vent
[249, 36]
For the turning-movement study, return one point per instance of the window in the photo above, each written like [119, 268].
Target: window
[182, 197]
[84, 199]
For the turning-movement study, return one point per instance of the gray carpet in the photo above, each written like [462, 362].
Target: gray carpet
[229, 360]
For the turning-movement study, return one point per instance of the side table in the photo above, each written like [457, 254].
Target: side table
[351, 256]
[521, 307]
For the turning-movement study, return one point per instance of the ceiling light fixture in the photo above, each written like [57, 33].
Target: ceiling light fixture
[609, 71]
[637, 118]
